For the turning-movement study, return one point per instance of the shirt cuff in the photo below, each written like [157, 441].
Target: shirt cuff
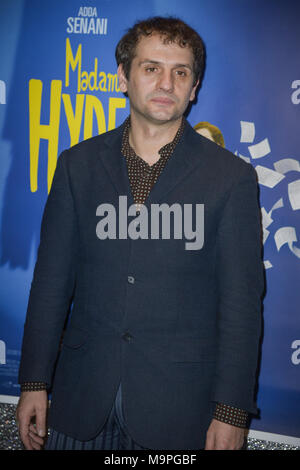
[33, 386]
[231, 415]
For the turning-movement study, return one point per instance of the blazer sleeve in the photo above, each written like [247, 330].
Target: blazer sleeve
[240, 286]
[53, 281]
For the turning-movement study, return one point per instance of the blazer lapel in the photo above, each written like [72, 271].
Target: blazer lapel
[115, 164]
[181, 163]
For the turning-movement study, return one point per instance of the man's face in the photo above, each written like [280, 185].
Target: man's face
[161, 79]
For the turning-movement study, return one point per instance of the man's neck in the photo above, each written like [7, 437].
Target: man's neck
[147, 139]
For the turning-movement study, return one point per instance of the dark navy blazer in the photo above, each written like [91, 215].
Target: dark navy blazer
[179, 328]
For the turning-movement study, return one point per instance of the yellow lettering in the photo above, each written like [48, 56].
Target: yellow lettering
[38, 131]
[112, 82]
[84, 82]
[102, 83]
[74, 118]
[114, 103]
[70, 61]
[93, 77]
[93, 104]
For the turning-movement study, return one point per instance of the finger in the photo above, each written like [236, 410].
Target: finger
[33, 429]
[25, 438]
[40, 420]
[24, 432]
[35, 445]
[34, 435]
[35, 439]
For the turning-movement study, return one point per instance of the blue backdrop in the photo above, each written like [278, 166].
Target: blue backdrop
[58, 86]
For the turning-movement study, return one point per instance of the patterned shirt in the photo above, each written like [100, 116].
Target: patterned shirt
[143, 176]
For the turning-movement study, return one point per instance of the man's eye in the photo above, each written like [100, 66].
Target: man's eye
[151, 69]
[181, 73]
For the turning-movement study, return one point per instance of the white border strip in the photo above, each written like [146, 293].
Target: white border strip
[9, 399]
[264, 436]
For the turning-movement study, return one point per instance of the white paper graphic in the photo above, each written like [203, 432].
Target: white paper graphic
[266, 218]
[294, 249]
[287, 164]
[277, 205]
[247, 159]
[266, 233]
[294, 194]
[247, 131]
[260, 150]
[268, 264]
[268, 177]
[287, 235]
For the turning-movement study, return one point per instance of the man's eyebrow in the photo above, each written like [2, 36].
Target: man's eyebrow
[156, 62]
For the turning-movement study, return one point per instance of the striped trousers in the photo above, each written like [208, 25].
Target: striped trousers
[114, 435]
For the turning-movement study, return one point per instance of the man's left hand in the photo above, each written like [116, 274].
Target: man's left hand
[223, 436]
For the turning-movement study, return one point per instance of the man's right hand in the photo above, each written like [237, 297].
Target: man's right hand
[31, 418]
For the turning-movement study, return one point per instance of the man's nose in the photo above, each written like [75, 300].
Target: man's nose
[166, 81]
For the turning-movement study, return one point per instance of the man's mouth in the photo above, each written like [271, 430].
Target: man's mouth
[162, 100]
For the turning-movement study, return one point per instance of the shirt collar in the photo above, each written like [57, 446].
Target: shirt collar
[165, 151]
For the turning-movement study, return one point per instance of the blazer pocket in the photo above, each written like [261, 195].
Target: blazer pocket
[74, 337]
[193, 350]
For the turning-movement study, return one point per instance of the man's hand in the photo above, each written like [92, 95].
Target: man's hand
[31, 417]
[223, 436]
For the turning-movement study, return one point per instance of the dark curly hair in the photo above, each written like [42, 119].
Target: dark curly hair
[171, 30]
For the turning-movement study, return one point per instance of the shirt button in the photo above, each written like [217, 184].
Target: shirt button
[130, 279]
[127, 337]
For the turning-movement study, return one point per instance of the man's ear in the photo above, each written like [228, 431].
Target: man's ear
[122, 79]
[193, 92]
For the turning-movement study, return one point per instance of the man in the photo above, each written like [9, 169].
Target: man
[160, 349]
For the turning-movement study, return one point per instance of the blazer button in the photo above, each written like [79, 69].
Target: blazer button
[130, 279]
[127, 337]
